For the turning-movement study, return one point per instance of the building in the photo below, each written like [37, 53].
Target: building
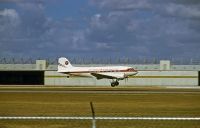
[41, 73]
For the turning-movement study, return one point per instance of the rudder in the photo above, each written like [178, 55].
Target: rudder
[63, 64]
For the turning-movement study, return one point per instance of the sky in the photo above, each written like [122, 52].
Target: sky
[100, 28]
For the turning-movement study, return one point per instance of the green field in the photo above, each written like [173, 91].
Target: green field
[118, 104]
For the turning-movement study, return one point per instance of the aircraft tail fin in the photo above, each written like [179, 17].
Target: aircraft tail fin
[63, 64]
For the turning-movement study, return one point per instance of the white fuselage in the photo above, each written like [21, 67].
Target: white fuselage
[115, 73]
[119, 72]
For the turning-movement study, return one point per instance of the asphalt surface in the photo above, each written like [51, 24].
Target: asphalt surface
[103, 91]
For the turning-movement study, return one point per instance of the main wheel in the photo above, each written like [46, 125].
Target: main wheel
[113, 84]
[116, 83]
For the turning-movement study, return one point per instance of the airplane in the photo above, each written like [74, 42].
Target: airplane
[115, 73]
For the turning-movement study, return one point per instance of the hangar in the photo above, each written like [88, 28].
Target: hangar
[22, 77]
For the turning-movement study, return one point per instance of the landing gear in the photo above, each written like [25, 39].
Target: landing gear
[114, 83]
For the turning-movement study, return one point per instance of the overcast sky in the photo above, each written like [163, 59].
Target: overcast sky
[100, 28]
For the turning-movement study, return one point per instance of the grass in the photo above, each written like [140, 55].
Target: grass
[99, 124]
[66, 104]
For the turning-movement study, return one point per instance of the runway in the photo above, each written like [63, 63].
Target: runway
[100, 92]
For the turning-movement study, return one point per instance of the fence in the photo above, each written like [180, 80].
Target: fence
[111, 60]
[100, 122]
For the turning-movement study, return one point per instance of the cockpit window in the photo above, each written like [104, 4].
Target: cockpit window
[131, 69]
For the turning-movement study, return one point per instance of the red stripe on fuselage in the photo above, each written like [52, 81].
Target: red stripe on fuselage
[98, 71]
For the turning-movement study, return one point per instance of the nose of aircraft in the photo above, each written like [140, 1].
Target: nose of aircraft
[136, 72]
[131, 73]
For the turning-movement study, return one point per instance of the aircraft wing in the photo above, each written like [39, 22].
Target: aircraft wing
[108, 75]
